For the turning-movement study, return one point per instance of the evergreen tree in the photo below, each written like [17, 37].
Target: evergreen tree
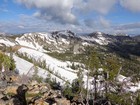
[111, 70]
[81, 82]
[94, 65]
[112, 67]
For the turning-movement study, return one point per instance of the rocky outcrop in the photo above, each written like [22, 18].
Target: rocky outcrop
[33, 93]
[42, 94]
[14, 92]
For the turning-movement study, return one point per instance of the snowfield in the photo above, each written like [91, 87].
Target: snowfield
[26, 68]
[55, 65]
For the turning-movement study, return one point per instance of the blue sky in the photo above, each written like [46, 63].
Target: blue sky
[110, 16]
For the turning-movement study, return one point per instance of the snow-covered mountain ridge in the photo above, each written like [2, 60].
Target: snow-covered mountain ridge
[66, 39]
[55, 41]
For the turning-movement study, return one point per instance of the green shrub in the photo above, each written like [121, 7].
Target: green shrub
[7, 62]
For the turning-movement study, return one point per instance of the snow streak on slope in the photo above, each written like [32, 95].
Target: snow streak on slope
[54, 64]
[6, 42]
[24, 67]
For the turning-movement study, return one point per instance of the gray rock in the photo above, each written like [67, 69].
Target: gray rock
[3, 84]
[1, 95]
[2, 102]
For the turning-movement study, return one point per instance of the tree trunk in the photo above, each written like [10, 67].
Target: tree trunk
[87, 95]
[106, 85]
[95, 90]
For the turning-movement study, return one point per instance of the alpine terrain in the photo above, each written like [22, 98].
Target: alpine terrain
[67, 68]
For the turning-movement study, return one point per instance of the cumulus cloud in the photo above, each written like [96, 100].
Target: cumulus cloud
[56, 10]
[133, 5]
[101, 6]
[77, 15]
[61, 11]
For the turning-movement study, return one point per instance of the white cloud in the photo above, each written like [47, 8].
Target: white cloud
[101, 6]
[133, 5]
[62, 11]
[56, 10]
[66, 14]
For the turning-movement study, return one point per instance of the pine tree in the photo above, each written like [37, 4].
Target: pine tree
[112, 67]
[94, 66]
[111, 70]
[80, 80]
